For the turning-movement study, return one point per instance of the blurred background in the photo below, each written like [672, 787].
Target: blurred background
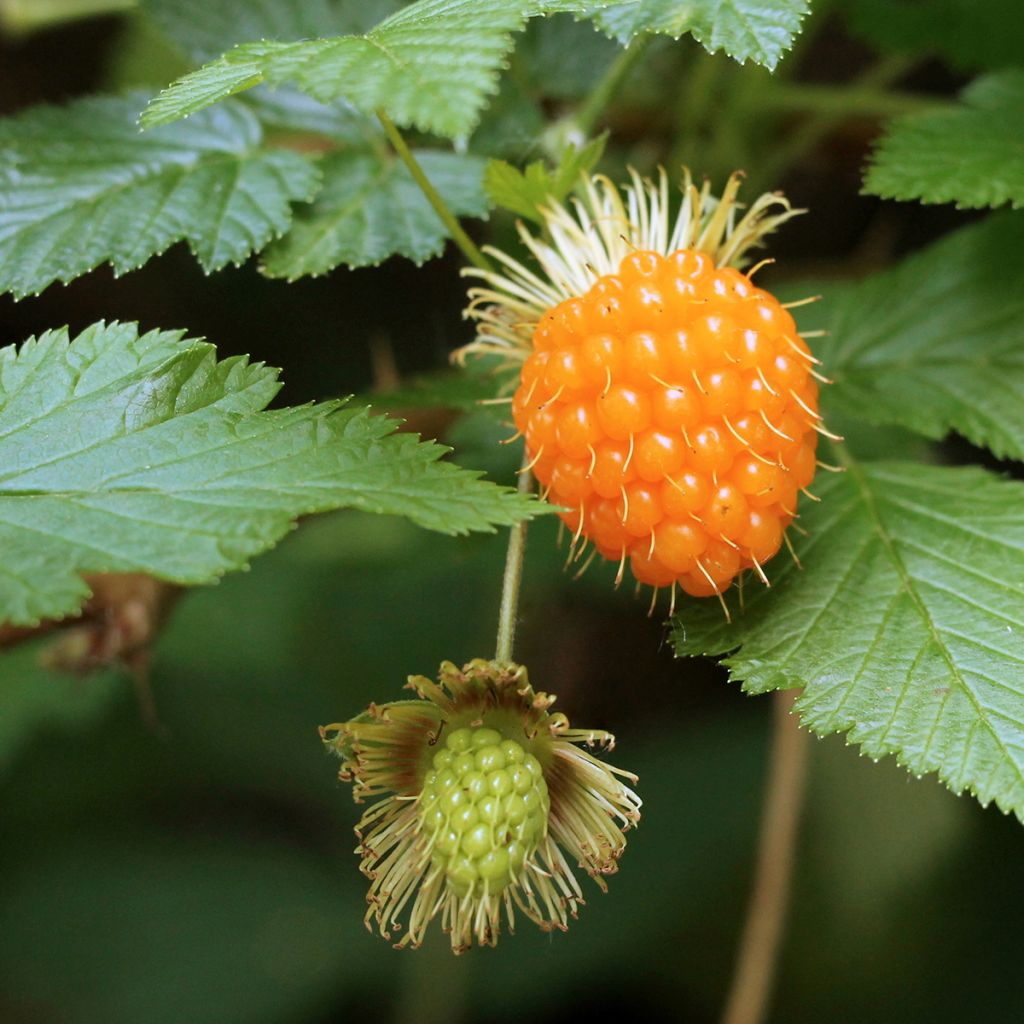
[185, 853]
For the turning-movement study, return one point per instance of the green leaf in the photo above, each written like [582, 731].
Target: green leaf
[432, 65]
[370, 208]
[937, 343]
[204, 30]
[967, 33]
[970, 155]
[525, 192]
[79, 186]
[757, 30]
[905, 627]
[129, 453]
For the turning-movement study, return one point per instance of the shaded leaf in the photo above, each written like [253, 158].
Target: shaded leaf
[937, 343]
[432, 65]
[204, 30]
[79, 187]
[967, 33]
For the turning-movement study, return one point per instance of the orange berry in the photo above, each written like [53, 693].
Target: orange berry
[673, 407]
[610, 471]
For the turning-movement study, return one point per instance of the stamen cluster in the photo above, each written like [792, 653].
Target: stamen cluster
[483, 797]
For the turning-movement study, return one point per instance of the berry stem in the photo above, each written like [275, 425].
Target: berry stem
[509, 612]
[618, 71]
[450, 221]
[754, 976]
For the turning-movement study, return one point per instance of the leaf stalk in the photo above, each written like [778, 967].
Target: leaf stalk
[450, 221]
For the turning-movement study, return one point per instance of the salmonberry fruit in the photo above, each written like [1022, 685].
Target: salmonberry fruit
[485, 806]
[671, 409]
[484, 802]
[667, 402]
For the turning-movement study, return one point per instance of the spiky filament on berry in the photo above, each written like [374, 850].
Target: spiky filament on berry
[667, 402]
[483, 792]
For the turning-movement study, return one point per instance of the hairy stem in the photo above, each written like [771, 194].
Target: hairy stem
[509, 612]
[609, 84]
[450, 221]
[754, 976]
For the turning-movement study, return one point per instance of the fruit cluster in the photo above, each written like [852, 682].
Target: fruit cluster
[672, 410]
[485, 804]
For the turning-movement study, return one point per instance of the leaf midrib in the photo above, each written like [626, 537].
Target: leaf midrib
[871, 506]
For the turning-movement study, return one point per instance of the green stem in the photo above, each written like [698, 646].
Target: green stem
[450, 221]
[608, 85]
[509, 612]
[753, 980]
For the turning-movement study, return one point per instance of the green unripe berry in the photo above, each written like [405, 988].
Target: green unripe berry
[484, 738]
[484, 805]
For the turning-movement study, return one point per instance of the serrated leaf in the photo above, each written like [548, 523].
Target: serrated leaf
[370, 208]
[937, 343]
[905, 627]
[204, 30]
[525, 192]
[757, 30]
[129, 453]
[970, 155]
[432, 65]
[79, 186]
[967, 33]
